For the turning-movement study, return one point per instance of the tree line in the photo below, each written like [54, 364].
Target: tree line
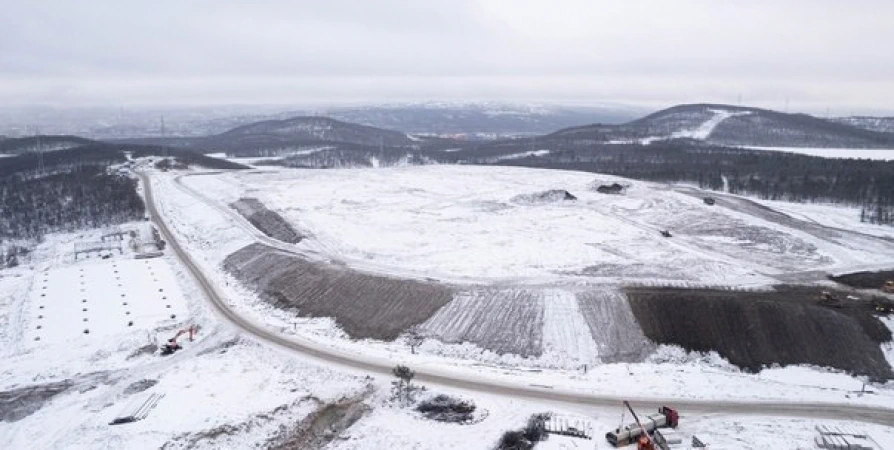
[768, 175]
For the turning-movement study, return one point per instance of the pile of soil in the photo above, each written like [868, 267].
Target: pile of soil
[756, 329]
[539, 198]
[865, 280]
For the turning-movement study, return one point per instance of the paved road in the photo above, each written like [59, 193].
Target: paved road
[871, 414]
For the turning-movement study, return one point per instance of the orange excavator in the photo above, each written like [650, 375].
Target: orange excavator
[172, 345]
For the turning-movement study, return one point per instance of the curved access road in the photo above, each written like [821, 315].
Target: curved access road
[472, 382]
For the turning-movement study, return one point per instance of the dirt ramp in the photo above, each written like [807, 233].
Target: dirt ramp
[267, 221]
[613, 326]
[500, 320]
[365, 306]
[756, 329]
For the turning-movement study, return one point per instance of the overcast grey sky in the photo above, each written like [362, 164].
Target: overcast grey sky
[817, 53]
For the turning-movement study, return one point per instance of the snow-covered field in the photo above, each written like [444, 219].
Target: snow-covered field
[94, 300]
[226, 391]
[461, 223]
[879, 154]
[671, 371]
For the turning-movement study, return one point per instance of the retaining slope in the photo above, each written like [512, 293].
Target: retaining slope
[364, 306]
[269, 222]
[613, 326]
[756, 329]
[500, 320]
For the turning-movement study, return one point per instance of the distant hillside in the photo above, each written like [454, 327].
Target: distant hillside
[733, 125]
[15, 146]
[481, 120]
[880, 124]
[288, 136]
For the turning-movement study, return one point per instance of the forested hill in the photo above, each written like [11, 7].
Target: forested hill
[733, 126]
[15, 146]
[74, 188]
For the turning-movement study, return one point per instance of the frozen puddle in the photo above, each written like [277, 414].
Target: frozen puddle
[94, 299]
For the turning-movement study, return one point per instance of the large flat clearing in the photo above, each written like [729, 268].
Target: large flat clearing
[468, 222]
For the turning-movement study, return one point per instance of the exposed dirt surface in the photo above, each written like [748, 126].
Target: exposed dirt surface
[865, 280]
[756, 329]
[500, 320]
[269, 222]
[322, 426]
[16, 404]
[139, 386]
[365, 306]
[613, 326]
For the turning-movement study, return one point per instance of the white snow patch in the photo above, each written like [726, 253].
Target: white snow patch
[835, 153]
[566, 337]
[704, 130]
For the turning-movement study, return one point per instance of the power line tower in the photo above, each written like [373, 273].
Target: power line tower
[39, 149]
[163, 135]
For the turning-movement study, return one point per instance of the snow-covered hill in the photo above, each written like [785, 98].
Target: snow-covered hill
[734, 125]
[880, 124]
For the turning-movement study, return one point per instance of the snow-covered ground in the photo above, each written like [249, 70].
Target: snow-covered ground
[704, 130]
[226, 391]
[240, 392]
[672, 372]
[460, 223]
[876, 154]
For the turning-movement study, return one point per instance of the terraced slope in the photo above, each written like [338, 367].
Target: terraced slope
[364, 306]
[501, 320]
[269, 222]
[613, 326]
[757, 329]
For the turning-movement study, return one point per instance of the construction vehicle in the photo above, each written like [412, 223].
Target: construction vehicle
[171, 346]
[645, 433]
[827, 298]
[888, 288]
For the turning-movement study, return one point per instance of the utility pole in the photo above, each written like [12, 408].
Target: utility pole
[163, 135]
[36, 132]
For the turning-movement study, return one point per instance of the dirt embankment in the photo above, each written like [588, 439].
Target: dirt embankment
[365, 306]
[269, 222]
[757, 329]
[613, 326]
[865, 280]
[16, 404]
[500, 320]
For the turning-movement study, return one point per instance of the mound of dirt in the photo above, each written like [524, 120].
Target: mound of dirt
[539, 198]
[865, 280]
[757, 329]
[365, 306]
[269, 222]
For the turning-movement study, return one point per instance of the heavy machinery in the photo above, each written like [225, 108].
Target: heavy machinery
[171, 346]
[644, 433]
[888, 288]
[827, 298]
